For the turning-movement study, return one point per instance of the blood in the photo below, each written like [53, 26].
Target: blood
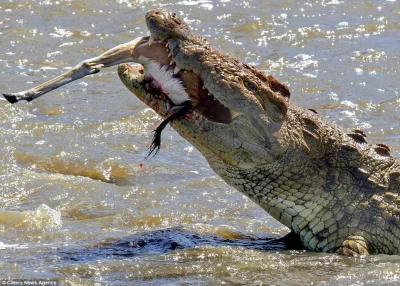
[152, 86]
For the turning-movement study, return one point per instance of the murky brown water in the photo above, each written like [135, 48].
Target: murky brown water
[77, 206]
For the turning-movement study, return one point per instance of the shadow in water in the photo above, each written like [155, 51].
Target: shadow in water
[167, 240]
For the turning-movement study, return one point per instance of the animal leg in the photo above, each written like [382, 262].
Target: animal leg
[119, 54]
[177, 111]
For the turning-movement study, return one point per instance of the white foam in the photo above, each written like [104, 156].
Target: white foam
[171, 86]
[43, 218]
[15, 246]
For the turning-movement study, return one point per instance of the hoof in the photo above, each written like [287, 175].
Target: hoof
[14, 98]
[11, 98]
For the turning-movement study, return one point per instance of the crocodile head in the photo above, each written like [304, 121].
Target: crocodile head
[237, 111]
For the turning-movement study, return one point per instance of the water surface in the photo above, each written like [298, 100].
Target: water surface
[80, 204]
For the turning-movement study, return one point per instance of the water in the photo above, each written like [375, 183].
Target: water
[80, 204]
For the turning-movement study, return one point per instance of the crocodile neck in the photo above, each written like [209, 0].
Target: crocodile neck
[307, 191]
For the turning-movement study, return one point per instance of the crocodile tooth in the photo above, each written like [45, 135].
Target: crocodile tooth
[168, 105]
[170, 54]
[140, 78]
[151, 40]
[172, 62]
[176, 69]
[166, 45]
[234, 114]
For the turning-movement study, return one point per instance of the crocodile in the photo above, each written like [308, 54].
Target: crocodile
[335, 191]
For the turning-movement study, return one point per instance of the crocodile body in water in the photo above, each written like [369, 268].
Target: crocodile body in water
[336, 192]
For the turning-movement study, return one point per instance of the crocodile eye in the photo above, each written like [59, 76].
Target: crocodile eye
[251, 85]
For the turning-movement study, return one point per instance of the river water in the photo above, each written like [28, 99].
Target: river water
[80, 204]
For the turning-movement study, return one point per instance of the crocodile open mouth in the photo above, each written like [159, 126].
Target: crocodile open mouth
[165, 80]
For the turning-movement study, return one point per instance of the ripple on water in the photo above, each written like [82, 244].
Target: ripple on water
[61, 163]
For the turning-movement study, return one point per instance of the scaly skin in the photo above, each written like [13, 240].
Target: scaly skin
[334, 190]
